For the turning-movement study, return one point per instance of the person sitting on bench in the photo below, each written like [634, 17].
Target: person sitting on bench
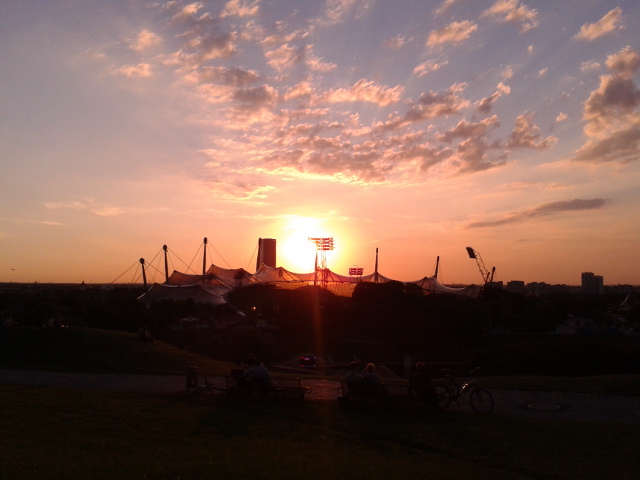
[373, 380]
[421, 383]
[260, 376]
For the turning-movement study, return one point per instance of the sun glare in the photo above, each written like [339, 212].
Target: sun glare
[296, 252]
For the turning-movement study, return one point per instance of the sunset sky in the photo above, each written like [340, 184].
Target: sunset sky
[415, 127]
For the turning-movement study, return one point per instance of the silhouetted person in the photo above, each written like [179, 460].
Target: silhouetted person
[353, 375]
[354, 381]
[370, 375]
[253, 360]
[260, 376]
[144, 334]
[421, 383]
[373, 382]
[238, 370]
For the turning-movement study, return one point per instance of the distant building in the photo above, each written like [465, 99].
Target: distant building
[516, 286]
[620, 289]
[592, 284]
[266, 252]
[542, 288]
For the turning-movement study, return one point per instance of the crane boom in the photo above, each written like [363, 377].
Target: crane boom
[487, 276]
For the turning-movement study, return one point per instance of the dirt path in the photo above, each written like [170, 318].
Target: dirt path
[601, 408]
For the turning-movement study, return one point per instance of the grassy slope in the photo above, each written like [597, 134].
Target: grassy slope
[83, 350]
[52, 433]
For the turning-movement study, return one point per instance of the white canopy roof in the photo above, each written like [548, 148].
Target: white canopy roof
[217, 282]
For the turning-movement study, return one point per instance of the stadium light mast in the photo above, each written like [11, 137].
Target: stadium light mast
[487, 276]
[323, 245]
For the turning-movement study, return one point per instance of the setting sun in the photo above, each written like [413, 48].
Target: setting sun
[296, 251]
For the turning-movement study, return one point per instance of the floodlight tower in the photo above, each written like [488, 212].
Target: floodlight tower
[323, 245]
[487, 276]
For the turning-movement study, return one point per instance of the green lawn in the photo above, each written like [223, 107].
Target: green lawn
[89, 350]
[84, 350]
[51, 433]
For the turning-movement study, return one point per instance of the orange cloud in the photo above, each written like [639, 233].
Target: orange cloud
[612, 113]
[366, 91]
[607, 24]
[455, 32]
[514, 12]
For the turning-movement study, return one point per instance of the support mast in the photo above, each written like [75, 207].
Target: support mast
[144, 274]
[375, 273]
[204, 258]
[166, 265]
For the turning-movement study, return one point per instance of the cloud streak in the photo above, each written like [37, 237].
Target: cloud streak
[90, 206]
[545, 210]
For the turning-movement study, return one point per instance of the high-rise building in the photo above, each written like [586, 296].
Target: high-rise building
[592, 284]
[266, 252]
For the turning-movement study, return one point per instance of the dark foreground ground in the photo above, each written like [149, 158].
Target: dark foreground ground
[584, 407]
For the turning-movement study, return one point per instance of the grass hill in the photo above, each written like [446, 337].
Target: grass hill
[88, 350]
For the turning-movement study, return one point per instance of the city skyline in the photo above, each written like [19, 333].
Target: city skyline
[154, 272]
[415, 128]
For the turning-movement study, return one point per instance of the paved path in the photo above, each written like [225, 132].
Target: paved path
[573, 406]
[137, 383]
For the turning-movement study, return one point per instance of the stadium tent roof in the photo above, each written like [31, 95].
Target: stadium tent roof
[432, 285]
[197, 293]
[267, 274]
[234, 277]
[212, 286]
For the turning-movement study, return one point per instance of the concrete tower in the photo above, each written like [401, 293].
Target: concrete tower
[266, 252]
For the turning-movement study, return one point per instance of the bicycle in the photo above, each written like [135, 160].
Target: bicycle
[449, 389]
[207, 386]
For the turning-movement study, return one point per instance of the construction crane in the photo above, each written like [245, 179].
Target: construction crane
[487, 276]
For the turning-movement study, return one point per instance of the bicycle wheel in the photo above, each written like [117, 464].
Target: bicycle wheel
[481, 400]
[443, 396]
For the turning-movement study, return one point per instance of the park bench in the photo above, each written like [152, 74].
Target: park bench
[207, 384]
[392, 393]
[362, 392]
[404, 394]
[281, 387]
[286, 387]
